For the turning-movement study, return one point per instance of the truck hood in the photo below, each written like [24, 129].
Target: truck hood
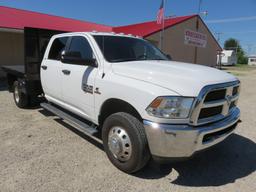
[183, 78]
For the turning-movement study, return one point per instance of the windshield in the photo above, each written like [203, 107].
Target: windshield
[120, 49]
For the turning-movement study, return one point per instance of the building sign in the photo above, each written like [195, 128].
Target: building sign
[195, 39]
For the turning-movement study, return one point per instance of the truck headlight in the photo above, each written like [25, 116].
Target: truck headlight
[170, 107]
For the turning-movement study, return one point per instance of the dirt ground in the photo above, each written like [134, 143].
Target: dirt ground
[39, 152]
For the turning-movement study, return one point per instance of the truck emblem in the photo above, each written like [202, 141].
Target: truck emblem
[88, 88]
[97, 90]
[229, 99]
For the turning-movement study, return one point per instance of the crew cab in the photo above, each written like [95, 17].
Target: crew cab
[143, 104]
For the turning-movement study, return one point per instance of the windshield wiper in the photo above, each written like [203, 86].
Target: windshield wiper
[158, 59]
[136, 59]
[124, 60]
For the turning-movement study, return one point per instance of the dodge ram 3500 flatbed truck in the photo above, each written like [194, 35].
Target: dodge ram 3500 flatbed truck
[143, 104]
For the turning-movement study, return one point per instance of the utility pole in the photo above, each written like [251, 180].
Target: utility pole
[249, 50]
[218, 36]
[219, 52]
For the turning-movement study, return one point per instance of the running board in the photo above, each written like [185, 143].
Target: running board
[78, 124]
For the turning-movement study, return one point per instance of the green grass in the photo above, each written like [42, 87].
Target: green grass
[237, 73]
[241, 65]
[244, 66]
[239, 69]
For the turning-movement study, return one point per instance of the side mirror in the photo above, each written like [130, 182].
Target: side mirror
[74, 57]
[169, 56]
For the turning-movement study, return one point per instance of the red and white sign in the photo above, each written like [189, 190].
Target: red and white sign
[195, 39]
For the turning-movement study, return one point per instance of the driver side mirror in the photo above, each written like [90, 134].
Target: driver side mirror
[75, 57]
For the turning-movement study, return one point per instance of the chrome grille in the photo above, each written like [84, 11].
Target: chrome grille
[209, 112]
[215, 102]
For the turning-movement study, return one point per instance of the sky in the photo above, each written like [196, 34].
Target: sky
[231, 18]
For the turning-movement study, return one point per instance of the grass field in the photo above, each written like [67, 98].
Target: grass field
[239, 69]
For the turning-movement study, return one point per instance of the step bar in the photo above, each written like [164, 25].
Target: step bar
[72, 120]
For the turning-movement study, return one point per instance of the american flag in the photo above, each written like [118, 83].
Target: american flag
[160, 14]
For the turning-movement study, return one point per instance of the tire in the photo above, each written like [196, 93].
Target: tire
[20, 99]
[135, 142]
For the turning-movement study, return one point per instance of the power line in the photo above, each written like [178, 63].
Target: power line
[240, 32]
[251, 49]
[239, 19]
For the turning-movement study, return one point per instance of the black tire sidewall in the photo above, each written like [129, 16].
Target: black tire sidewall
[23, 98]
[137, 147]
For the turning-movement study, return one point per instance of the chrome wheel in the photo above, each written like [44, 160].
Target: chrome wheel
[16, 94]
[119, 144]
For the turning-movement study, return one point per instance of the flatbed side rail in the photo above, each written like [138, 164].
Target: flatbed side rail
[16, 70]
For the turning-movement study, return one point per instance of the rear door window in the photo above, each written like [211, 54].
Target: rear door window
[57, 47]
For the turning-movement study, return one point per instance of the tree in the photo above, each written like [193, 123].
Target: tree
[233, 44]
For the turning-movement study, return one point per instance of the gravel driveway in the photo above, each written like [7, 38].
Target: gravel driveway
[39, 152]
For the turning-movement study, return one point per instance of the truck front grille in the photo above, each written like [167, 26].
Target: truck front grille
[215, 102]
[215, 95]
[209, 112]
[235, 90]
[212, 136]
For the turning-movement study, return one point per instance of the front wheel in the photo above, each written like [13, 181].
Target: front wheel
[125, 142]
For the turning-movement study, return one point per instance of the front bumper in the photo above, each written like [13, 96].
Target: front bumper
[182, 141]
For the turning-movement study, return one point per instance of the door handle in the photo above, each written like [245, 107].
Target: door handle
[44, 67]
[66, 72]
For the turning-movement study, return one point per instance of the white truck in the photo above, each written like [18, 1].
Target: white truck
[143, 104]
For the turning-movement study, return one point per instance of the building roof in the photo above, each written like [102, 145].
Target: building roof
[12, 18]
[148, 28]
[18, 19]
[252, 56]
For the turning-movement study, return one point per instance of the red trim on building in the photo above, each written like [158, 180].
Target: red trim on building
[19, 19]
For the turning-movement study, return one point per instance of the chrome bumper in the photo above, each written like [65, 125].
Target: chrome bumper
[178, 141]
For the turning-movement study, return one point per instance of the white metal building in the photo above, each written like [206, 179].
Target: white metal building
[252, 60]
[228, 58]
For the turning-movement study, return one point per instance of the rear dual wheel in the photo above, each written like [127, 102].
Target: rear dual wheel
[125, 142]
[21, 99]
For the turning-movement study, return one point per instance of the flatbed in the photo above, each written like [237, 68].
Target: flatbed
[18, 70]
[27, 73]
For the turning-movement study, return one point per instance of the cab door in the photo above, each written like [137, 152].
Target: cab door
[51, 70]
[78, 79]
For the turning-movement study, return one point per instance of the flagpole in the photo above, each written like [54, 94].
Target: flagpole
[162, 31]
